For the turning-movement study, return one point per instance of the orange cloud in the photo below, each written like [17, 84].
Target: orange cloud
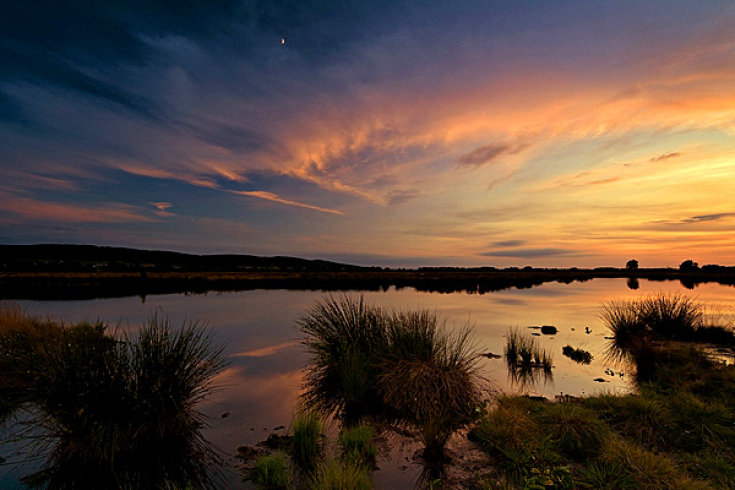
[270, 196]
[71, 213]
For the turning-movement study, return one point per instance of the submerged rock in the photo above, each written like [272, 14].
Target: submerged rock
[490, 355]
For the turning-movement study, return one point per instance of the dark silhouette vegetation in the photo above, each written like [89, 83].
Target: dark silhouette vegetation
[112, 411]
[86, 272]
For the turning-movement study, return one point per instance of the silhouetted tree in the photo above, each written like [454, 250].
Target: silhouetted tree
[631, 264]
[688, 265]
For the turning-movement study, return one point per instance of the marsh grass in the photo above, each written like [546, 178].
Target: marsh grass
[341, 476]
[577, 431]
[606, 476]
[345, 337]
[660, 317]
[271, 472]
[120, 412]
[522, 350]
[428, 376]
[307, 439]
[403, 367]
[356, 445]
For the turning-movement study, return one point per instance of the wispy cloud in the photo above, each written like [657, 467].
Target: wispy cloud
[488, 153]
[531, 252]
[270, 196]
[105, 212]
[509, 243]
[665, 156]
[707, 217]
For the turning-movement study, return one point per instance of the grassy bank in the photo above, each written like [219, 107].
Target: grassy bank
[677, 431]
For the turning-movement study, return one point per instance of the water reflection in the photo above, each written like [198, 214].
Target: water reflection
[524, 378]
[261, 387]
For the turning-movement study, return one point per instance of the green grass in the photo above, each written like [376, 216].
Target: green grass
[307, 438]
[677, 431]
[341, 476]
[356, 445]
[577, 431]
[271, 472]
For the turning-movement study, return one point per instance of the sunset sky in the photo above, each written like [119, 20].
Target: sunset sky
[505, 133]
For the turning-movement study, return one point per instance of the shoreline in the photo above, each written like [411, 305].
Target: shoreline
[89, 285]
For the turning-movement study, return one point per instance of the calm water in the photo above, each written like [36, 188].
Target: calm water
[260, 387]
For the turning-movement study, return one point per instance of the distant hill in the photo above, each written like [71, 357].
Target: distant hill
[92, 258]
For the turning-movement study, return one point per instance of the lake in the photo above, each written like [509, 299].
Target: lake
[260, 387]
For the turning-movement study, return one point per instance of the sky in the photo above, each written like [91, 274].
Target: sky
[394, 133]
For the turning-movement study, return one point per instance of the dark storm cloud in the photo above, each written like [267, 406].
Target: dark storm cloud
[530, 253]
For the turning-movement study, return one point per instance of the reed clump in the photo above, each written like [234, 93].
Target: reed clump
[307, 438]
[401, 367]
[117, 410]
[523, 351]
[660, 317]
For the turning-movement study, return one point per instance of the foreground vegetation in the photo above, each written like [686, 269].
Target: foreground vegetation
[400, 367]
[677, 431]
[119, 411]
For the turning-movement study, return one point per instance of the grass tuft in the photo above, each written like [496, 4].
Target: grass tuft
[271, 472]
[577, 431]
[336, 476]
[307, 439]
[116, 410]
[356, 445]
